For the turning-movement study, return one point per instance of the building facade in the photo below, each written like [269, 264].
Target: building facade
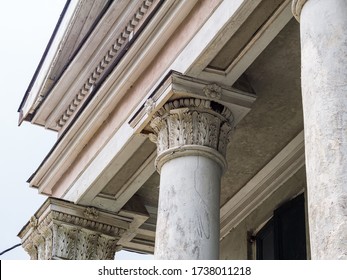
[192, 129]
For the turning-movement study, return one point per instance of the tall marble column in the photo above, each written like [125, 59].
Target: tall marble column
[62, 230]
[323, 31]
[191, 136]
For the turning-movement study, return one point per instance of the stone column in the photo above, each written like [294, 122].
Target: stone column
[62, 230]
[191, 136]
[323, 30]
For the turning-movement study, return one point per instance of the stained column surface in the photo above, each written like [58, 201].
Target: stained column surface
[191, 136]
[188, 221]
[323, 28]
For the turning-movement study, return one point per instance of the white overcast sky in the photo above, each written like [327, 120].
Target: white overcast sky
[26, 27]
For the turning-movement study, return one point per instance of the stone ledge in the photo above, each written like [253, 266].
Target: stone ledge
[63, 230]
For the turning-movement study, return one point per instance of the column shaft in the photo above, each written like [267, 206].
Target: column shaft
[191, 136]
[323, 27]
[188, 214]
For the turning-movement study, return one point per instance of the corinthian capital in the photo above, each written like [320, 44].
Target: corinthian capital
[62, 230]
[190, 126]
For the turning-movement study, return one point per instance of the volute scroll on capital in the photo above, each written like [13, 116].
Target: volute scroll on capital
[297, 6]
[191, 126]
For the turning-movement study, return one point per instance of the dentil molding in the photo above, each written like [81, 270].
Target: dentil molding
[109, 57]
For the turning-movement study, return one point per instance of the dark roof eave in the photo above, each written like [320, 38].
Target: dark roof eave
[33, 79]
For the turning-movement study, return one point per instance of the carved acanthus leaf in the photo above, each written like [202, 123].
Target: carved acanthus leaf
[65, 236]
[190, 121]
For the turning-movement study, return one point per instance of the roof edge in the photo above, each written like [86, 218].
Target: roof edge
[33, 79]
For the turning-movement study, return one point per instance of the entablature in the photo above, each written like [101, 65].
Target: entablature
[109, 39]
[110, 93]
[176, 86]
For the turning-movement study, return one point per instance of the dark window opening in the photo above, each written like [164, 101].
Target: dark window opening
[284, 235]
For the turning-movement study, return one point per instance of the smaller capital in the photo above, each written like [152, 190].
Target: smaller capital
[297, 7]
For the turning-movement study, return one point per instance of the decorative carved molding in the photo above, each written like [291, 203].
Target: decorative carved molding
[149, 105]
[33, 222]
[57, 234]
[91, 213]
[177, 86]
[213, 91]
[191, 126]
[297, 7]
[109, 56]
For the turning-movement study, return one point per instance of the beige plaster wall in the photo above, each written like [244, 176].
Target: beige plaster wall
[235, 245]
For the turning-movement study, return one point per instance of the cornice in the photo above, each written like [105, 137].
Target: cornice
[30, 102]
[134, 62]
[109, 56]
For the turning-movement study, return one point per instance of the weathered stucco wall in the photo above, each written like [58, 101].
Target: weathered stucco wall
[276, 116]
